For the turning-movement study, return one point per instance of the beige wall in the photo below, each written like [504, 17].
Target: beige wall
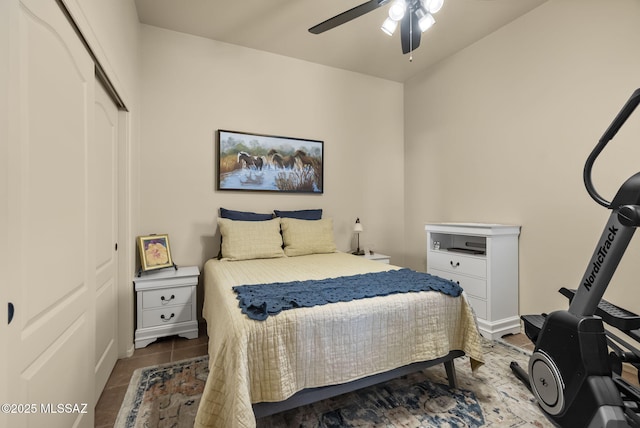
[193, 86]
[500, 133]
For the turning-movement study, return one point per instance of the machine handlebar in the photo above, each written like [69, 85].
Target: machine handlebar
[613, 129]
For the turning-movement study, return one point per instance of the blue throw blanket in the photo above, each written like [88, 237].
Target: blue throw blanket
[261, 300]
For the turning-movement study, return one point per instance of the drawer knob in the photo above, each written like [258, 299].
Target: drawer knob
[167, 319]
[165, 301]
[454, 265]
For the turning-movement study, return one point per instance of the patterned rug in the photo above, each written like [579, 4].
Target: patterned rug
[168, 396]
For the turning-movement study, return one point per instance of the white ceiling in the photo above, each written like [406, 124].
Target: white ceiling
[281, 27]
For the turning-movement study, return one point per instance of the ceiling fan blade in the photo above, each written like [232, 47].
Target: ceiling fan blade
[409, 37]
[347, 16]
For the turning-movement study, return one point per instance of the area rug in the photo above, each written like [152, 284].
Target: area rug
[168, 395]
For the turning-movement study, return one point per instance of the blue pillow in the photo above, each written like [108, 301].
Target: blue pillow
[243, 215]
[300, 214]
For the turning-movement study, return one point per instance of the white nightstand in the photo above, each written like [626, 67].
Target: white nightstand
[382, 258]
[166, 304]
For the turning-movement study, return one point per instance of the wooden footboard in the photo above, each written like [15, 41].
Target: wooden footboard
[312, 395]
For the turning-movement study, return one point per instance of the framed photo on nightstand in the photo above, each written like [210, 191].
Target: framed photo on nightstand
[155, 252]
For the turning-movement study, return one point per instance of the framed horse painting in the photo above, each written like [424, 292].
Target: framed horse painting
[268, 163]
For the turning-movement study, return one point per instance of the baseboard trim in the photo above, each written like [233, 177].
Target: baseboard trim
[496, 329]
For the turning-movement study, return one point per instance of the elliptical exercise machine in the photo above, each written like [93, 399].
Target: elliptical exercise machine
[574, 379]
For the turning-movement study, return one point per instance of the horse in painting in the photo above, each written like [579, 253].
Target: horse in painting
[303, 158]
[277, 160]
[256, 161]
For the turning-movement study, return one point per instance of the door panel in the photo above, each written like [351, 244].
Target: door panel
[53, 169]
[7, 12]
[52, 249]
[58, 367]
[104, 207]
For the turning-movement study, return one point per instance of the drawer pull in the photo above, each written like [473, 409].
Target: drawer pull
[167, 319]
[165, 301]
[456, 265]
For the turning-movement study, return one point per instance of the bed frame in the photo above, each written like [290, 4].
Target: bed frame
[311, 395]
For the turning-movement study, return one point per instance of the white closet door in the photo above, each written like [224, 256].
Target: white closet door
[103, 197]
[52, 246]
[5, 119]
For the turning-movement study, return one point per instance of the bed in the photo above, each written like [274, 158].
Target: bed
[306, 354]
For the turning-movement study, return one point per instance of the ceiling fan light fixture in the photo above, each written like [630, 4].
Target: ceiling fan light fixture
[433, 6]
[389, 26]
[425, 20]
[397, 9]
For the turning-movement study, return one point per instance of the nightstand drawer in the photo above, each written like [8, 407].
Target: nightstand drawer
[166, 316]
[473, 286]
[451, 262]
[166, 297]
[479, 307]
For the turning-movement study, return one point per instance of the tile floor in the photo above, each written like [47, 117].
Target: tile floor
[520, 340]
[176, 348]
[164, 350]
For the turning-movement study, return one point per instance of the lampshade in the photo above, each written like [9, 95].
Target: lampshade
[358, 226]
[425, 20]
[397, 9]
[389, 26]
[433, 6]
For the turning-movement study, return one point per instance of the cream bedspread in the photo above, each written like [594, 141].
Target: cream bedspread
[255, 361]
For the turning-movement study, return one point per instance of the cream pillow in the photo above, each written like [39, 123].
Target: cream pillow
[245, 240]
[303, 237]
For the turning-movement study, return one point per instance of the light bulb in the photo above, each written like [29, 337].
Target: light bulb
[389, 26]
[426, 22]
[397, 9]
[433, 6]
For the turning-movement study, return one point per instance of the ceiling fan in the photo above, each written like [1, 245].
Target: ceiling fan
[414, 16]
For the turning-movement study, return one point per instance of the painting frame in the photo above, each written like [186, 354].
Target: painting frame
[254, 162]
[149, 260]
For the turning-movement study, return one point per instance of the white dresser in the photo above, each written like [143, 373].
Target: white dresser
[166, 304]
[483, 259]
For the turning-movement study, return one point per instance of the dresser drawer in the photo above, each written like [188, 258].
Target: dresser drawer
[166, 297]
[479, 307]
[452, 262]
[473, 286]
[166, 316]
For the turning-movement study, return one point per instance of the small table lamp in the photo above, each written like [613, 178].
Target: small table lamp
[357, 228]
